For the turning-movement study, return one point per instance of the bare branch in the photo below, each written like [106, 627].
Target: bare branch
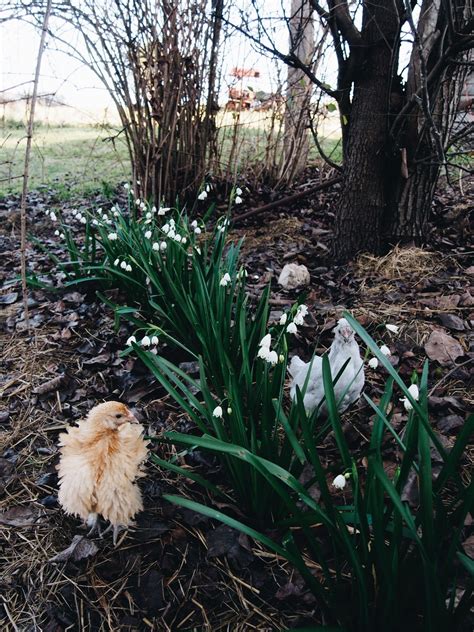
[29, 137]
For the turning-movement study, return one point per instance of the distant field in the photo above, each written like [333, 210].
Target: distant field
[78, 160]
[69, 159]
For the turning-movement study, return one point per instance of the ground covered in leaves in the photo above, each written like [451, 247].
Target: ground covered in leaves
[178, 570]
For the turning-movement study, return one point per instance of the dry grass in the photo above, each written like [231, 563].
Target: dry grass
[401, 263]
[283, 230]
[96, 594]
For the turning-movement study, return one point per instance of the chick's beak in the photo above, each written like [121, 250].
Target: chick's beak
[131, 417]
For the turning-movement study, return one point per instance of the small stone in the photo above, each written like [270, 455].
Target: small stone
[293, 276]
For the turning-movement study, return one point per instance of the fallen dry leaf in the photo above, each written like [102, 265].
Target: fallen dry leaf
[443, 348]
[20, 516]
[8, 299]
[80, 549]
[50, 385]
[451, 321]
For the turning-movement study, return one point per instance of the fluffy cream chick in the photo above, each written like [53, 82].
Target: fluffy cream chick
[100, 462]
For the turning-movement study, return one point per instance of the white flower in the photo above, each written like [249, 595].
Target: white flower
[238, 200]
[166, 228]
[263, 353]
[148, 281]
[113, 236]
[177, 238]
[281, 358]
[116, 262]
[194, 224]
[229, 410]
[415, 393]
[222, 227]
[128, 268]
[153, 209]
[138, 182]
[266, 341]
[172, 222]
[163, 245]
[339, 482]
[52, 216]
[154, 340]
[146, 342]
[208, 187]
[183, 240]
[148, 234]
[130, 340]
[126, 186]
[385, 350]
[283, 319]
[393, 328]
[137, 201]
[123, 265]
[172, 234]
[373, 363]
[116, 212]
[197, 249]
[197, 230]
[108, 221]
[149, 215]
[217, 412]
[202, 195]
[298, 319]
[303, 310]
[272, 358]
[99, 210]
[57, 233]
[292, 328]
[238, 191]
[83, 220]
[225, 279]
[156, 246]
[95, 222]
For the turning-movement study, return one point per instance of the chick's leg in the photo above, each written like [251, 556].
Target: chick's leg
[116, 528]
[93, 523]
[116, 532]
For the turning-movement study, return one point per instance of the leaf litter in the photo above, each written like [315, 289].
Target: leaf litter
[53, 376]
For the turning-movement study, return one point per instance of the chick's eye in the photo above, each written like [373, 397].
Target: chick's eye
[118, 416]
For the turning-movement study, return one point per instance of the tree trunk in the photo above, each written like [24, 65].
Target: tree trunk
[295, 140]
[410, 222]
[368, 165]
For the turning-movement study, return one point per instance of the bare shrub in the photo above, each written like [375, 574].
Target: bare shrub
[157, 60]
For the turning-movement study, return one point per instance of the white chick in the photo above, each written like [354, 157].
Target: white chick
[343, 348]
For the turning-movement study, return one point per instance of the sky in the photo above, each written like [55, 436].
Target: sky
[77, 86]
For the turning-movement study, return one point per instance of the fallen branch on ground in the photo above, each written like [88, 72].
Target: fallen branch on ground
[287, 200]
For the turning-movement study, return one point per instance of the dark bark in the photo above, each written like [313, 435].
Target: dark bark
[384, 202]
[367, 165]
[410, 221]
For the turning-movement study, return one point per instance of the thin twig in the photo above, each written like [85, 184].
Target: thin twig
[29, 136]
[287, 200]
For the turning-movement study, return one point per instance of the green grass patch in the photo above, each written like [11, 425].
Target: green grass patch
[72, 160]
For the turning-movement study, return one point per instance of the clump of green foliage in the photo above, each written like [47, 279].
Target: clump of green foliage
[382, 563]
